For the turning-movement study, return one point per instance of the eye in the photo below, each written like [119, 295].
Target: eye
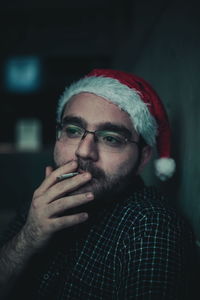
[112, 139]
[73, 131]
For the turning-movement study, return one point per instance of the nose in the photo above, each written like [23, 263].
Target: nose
[88, 148]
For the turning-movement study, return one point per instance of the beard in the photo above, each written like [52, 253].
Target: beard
[106, 187]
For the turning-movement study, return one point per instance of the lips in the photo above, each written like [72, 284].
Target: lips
[88, 166]
[80, 171]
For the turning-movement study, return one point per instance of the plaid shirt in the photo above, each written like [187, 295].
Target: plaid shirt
[137, 248]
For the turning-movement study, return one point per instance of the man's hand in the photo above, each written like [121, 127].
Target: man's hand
[50, 201]
[45, 217]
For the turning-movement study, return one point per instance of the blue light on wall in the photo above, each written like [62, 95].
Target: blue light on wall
[23, 74]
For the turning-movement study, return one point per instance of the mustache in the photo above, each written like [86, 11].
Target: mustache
[87, 165]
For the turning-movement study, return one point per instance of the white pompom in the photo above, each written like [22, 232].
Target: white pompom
[165, 168]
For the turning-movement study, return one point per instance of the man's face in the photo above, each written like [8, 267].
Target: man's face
[111, 171]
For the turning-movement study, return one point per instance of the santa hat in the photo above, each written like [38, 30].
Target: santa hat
[135, 96]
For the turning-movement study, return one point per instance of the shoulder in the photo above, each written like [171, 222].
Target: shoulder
[147, 211]
[145, 202]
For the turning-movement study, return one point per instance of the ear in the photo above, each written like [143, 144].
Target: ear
[145, 157]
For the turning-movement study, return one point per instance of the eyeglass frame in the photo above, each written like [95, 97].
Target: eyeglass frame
[59, 127]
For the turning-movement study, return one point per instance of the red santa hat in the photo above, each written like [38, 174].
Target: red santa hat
[135, 96]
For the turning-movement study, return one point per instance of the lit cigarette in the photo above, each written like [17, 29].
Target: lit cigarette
[64, 176]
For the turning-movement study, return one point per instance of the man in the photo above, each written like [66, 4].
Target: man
[93, 230]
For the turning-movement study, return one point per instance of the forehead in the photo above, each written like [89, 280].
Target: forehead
[96, 110]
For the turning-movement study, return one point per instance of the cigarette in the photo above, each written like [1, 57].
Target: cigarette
[64, 176]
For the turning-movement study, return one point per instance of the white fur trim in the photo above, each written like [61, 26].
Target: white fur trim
[126, 98]
[165, 168]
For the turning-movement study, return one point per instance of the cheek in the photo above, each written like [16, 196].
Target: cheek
[118, 163]
[62, 154]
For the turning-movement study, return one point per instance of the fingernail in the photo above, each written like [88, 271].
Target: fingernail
[87, 175]
[89, 196]
[84, 216]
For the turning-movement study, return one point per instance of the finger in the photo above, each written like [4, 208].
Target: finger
[48, 171]
[67, 186]
[68, 221]
[61, 205]
[52, 178]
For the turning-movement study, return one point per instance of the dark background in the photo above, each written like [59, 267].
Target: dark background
[69, 37]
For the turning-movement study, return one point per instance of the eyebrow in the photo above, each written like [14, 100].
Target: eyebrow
[101, 126]
[74, 120]
[115, 127]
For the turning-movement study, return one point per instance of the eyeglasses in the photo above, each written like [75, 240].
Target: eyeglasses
[107, 140]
